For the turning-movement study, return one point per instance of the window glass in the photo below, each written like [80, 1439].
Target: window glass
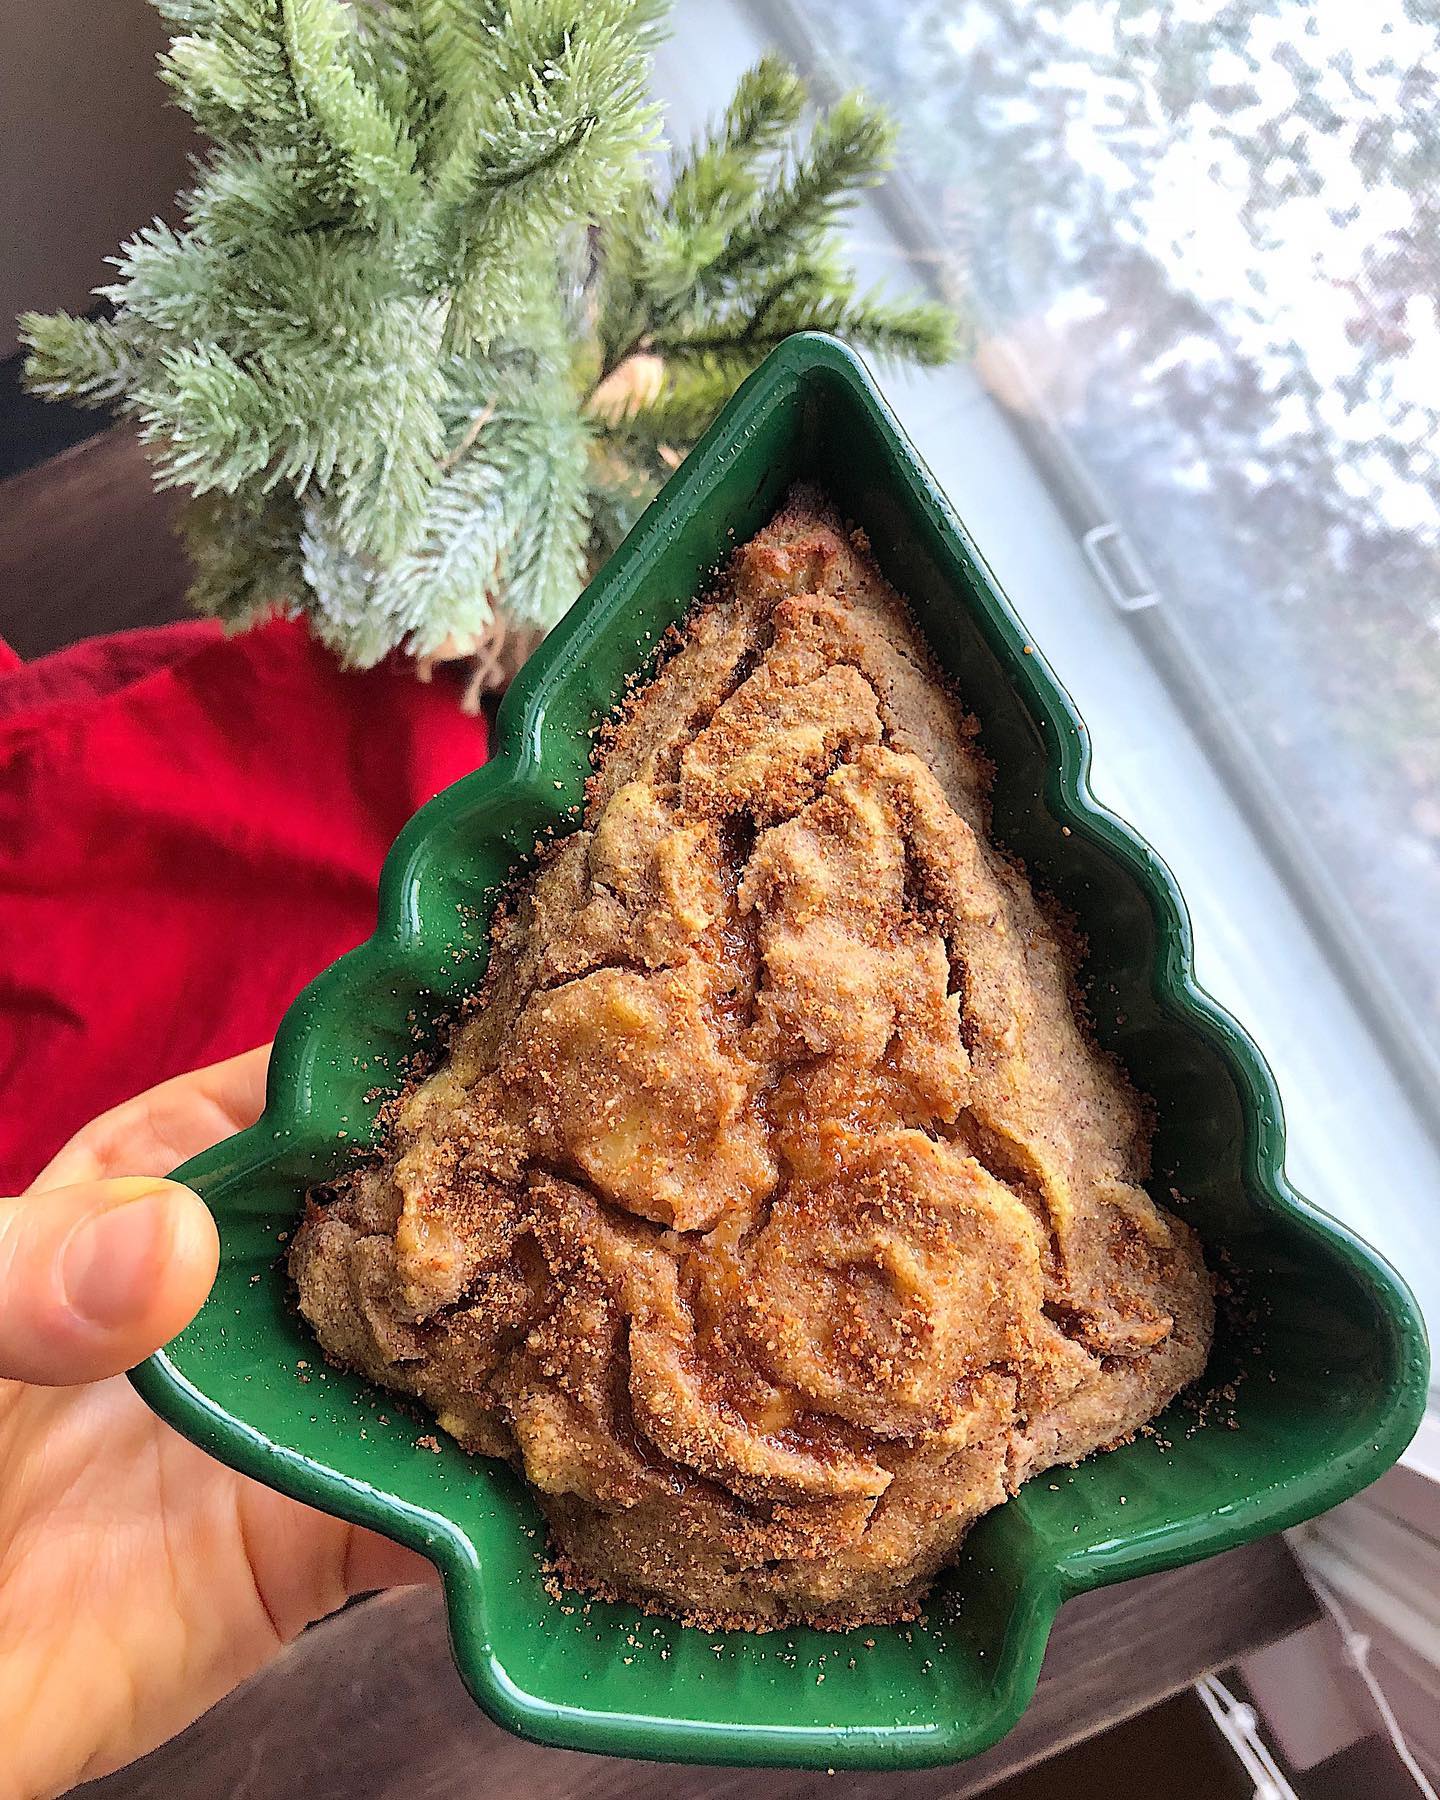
[1201, 246]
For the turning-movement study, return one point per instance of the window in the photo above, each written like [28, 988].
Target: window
[1201, 243]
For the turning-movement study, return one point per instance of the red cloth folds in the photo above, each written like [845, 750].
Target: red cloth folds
[191, 826]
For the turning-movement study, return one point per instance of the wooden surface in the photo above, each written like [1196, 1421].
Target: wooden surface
[368, 1706]
[86, 545]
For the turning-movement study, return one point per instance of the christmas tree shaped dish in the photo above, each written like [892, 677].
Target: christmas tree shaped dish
[1324, 1366]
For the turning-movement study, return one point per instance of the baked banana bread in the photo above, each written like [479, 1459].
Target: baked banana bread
[773, 1212]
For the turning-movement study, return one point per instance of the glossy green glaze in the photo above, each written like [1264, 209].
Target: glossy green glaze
[1332, 1365]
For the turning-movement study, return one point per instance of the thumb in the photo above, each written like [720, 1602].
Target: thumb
[95, 1277]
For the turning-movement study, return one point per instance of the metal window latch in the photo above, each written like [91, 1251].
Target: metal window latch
[1118, 568]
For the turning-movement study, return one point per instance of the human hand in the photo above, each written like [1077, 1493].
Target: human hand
[139, 1580]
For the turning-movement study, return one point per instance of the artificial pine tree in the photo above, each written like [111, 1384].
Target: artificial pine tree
[431, 334]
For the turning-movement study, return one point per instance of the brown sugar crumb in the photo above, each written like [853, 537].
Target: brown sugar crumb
[428, 1442]
[772, 1211]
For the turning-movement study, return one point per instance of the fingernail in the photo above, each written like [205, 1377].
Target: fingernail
[111, 1264]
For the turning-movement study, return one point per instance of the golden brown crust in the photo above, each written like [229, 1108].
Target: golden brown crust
[774, 1213]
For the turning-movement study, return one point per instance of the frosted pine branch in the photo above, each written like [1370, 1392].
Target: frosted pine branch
[430, 332]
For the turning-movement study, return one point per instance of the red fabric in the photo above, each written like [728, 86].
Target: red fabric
[191, 827]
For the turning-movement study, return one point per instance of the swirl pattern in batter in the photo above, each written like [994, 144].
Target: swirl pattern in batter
[773, 1213]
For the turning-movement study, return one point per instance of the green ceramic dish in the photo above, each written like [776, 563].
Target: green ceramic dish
[1332, 1367]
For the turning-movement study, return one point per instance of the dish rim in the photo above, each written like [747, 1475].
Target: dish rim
[516, 771]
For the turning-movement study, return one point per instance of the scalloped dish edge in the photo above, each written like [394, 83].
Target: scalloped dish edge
[514, 780]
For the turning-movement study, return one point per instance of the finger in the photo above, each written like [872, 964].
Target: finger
[161, 1128]
[95, 1277]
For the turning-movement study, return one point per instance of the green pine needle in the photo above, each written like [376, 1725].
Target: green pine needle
[849, 150]
[423, 233]
[244, 553]
[86, 361]
[366, 140]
